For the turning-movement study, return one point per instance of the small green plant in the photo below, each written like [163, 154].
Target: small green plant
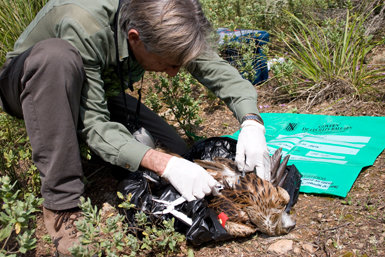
[159, 240]
[347, 201]
[16, 155]
[17, 219]
[109, 235]
[177, 95]
[285, 79]
[153, 100]
[98, 238]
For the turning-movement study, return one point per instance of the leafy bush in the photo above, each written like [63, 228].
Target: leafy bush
[17, 219]
[176, 95]
[108, 235]
[259, 14]
[243, 55]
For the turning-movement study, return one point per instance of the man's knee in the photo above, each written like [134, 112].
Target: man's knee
[53, 70]
[57, 54]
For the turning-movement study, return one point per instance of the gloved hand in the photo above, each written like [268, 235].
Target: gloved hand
[190, 179]
[251, 152]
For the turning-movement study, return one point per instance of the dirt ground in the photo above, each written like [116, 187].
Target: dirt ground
[326, 226]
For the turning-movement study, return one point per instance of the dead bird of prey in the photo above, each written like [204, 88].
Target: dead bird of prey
[251, 203]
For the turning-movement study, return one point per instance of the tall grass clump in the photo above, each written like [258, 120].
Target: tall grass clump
[15, 15]
[329, 61]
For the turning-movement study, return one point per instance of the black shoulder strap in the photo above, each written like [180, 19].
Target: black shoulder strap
[119, 63]
[120, 72]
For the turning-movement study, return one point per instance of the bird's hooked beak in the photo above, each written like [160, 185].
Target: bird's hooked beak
[217, 189]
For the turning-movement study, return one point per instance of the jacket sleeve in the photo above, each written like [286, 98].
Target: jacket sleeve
[226, 83]
[110, 140]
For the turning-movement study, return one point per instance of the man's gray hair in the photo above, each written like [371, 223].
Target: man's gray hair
[176, 29]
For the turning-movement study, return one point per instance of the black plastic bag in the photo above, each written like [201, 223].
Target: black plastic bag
[146, 187]
[212, 147]
[144, 190]
[292, 185]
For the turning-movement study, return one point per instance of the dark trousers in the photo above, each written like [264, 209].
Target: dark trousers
[43, 86]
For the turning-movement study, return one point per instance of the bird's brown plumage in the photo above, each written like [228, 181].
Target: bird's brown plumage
[251, 203]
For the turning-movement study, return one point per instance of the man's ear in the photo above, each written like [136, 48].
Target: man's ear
[133, 37]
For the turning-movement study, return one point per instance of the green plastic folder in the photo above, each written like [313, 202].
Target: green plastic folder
[329, 151]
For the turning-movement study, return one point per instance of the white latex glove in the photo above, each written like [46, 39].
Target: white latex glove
[189, 179]
[252, 153]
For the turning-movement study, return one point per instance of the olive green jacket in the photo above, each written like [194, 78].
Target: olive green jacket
[87, 25]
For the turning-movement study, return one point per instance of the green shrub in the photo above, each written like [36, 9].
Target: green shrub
[244, 57]
[259, 14]
[177, 95]
[109, 235]
[17, 219]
